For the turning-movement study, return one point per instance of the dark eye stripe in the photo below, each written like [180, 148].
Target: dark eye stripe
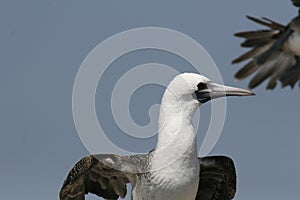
[202, 86]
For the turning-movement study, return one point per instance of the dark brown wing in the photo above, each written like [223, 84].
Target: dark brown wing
[103, 175]
[266, 56]
[217, 178]
[296, 3]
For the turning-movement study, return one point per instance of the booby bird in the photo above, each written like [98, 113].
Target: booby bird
[172, 170]
[275, 53]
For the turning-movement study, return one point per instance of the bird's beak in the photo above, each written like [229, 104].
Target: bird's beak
[215, 90]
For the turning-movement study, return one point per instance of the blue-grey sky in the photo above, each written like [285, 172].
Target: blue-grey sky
[43, 43]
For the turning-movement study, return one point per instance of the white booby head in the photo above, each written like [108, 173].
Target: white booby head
[185, 93]
[199, 89]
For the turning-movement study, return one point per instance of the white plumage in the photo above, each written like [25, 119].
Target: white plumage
[172, 169]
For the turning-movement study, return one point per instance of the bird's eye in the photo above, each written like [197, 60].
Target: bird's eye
[202, 86]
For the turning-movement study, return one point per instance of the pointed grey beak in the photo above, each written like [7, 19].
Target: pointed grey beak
[215, 90]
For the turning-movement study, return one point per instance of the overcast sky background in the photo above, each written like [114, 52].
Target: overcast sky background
[42, 44]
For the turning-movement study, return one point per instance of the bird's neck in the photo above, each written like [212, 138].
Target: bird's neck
[176, 134]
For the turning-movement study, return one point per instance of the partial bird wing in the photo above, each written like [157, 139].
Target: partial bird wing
[296, 3]
[267, 54]
[217, 178]
[107, 176]
[292, 75]
[103, 175]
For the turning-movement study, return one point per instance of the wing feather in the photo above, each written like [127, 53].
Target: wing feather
[292, 75]
[217, 178]
[267, 55]
[103, 175]
[247, 70]
[296, 3]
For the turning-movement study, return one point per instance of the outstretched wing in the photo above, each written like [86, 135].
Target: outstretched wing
[107, 176]
[268, 55]
[103, 175]
[217, 178]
